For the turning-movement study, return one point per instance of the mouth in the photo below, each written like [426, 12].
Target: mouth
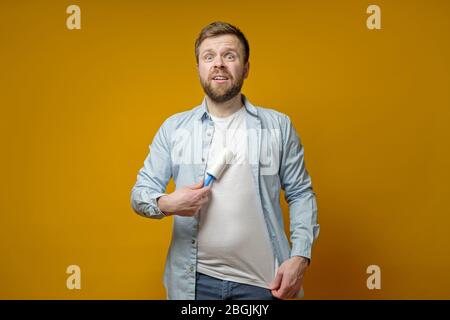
[220, 79]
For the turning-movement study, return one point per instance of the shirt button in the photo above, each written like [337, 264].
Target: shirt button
[191, 269]
[203, 159]
[193, 241]
[208, 134]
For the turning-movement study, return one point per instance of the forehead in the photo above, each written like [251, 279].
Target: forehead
[228, 41]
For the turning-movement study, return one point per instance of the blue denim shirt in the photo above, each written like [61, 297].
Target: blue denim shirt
[180, 150]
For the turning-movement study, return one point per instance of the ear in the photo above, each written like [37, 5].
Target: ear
[246, 69]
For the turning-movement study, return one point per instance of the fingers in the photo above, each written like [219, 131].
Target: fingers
[197, 185]
[288, 287]
[275, 284]
[200, 190]
[201, 196]
[203, 192]
[282, 292]
[203, 200]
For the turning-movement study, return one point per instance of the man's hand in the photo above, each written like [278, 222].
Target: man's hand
[289, 278]
[185, 201]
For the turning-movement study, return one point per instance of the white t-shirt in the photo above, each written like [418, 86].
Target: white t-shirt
[233, 241]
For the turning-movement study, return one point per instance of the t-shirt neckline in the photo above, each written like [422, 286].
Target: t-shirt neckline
[227, 118]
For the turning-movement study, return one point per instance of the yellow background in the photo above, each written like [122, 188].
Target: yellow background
[79, 109]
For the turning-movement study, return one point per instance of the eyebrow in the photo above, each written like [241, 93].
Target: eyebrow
[226, 49]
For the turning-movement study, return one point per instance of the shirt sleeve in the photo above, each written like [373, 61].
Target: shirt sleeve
[298, 192]
[153, 177]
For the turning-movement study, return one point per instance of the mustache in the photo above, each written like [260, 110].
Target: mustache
[220, 73]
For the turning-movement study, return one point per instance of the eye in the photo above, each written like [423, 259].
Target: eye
[208, 57]
[229, 56]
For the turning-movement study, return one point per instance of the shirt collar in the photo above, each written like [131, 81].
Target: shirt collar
[202, 111]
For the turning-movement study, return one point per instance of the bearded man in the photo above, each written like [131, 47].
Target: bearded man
[228, 239]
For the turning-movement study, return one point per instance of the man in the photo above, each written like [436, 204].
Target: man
[228, 239]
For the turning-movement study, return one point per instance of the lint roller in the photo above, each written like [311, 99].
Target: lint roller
[216, 171]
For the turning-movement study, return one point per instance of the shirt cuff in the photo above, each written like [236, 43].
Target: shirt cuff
[302, 249]
[156, 211]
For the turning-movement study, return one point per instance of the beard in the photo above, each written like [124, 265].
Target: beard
[220, 93]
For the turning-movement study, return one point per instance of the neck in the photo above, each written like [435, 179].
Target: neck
[226, 108]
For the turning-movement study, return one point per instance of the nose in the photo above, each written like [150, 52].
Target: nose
[218, 62]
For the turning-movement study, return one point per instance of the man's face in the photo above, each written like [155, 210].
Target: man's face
[221, 67]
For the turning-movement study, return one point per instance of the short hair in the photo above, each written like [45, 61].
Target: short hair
[218, 28]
